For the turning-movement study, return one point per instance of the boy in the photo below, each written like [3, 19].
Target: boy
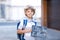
[29, 12]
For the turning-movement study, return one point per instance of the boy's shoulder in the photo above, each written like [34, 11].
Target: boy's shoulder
[23, 18]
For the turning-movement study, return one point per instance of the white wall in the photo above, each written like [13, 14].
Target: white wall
[18, 13]
[16, 9]
[19, 5]
[26, 2]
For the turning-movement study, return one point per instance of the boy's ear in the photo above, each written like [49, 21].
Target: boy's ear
[25, 14]
[24, 10]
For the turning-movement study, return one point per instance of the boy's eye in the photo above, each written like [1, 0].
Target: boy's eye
[28, 11]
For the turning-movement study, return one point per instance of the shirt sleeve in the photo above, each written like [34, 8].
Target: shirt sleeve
[21, 24]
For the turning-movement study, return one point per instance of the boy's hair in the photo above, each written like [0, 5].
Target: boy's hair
[30, 7]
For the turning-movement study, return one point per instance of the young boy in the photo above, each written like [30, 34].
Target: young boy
[29, 12]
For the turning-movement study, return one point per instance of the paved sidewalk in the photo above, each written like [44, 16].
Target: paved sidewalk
[9, 33]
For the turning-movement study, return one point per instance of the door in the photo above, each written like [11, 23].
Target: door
[53, 14]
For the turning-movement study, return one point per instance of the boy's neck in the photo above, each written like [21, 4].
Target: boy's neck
[29, 17]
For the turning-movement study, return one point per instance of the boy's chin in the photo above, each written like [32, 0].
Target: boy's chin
[29, 17]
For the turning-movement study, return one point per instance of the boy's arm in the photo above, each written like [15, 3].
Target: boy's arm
[19, 31]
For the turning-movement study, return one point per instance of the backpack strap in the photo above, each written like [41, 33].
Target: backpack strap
[21, 37]
[18, 24]
[35, 23]
[24, 25]
[25, 22]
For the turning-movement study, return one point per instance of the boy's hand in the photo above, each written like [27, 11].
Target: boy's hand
[28, 30]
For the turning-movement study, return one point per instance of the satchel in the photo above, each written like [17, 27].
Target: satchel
[38, 31]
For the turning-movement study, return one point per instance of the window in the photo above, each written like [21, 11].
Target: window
[2, 11]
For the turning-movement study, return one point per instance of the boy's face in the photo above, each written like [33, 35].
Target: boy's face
[29, 13]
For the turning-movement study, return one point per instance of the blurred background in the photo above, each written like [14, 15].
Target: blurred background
[47, 13]
[14, 9]
[11, 11]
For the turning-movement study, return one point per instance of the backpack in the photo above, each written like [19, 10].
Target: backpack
[21, 37]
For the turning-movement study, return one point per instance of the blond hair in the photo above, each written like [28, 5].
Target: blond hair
[30, 7]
